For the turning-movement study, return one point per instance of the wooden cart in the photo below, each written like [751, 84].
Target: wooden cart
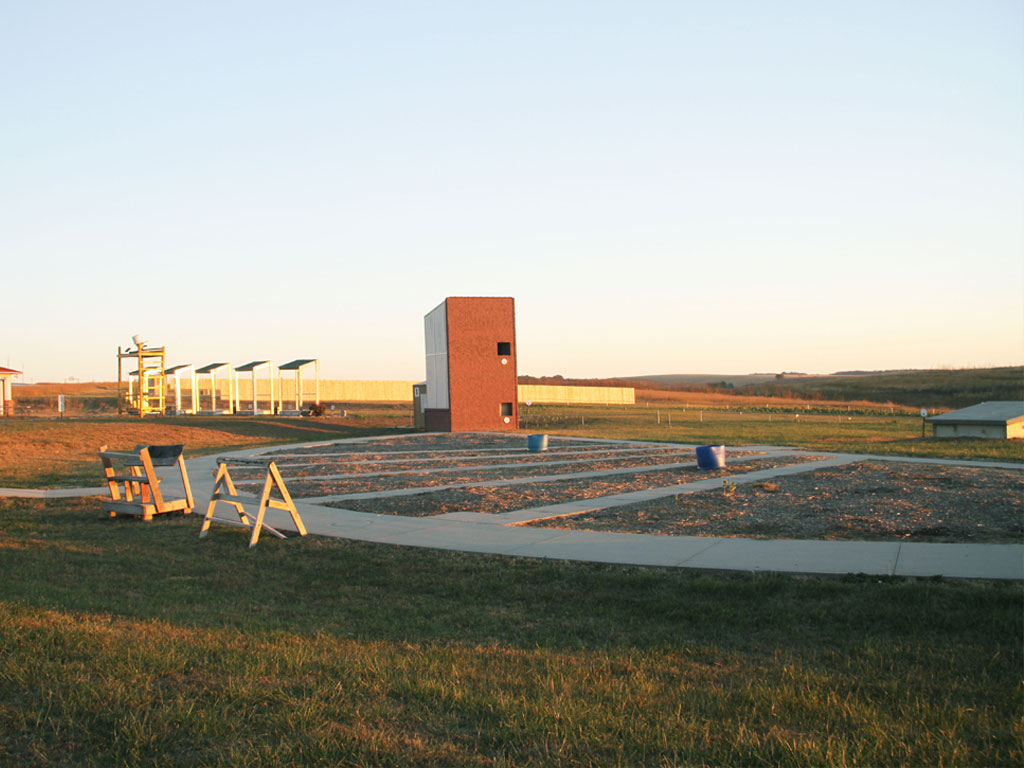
[142, 495]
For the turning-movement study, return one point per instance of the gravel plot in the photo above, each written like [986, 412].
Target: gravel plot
[392, 476]
[421, 462]
[495, 499]
[448, 474]
[436, 442]
[460, 475]
[456, 475]
[870, 501]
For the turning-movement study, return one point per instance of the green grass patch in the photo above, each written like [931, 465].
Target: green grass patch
[822, 430]
[133, 643]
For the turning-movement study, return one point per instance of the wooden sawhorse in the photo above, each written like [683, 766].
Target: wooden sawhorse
[224, 490]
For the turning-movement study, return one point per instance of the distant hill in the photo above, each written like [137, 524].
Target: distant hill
[952, 388]
[943, 388]
[700, 379]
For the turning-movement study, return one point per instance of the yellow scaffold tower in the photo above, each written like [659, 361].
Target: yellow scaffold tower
[147, 384]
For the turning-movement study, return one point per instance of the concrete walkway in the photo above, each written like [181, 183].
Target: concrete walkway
[503, 534]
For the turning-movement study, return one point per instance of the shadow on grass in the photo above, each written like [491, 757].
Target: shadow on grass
[66, 555]
[131, 643]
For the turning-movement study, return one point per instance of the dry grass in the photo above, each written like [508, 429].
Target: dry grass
[130, 644]
[41, 453]
[721, 400]
[70, 388]
[53, 446]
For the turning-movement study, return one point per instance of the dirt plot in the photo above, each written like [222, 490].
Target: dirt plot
[506, 498]
[432, 461]
[437, 442]
[461, 475]
[444, 472]
[870, 501]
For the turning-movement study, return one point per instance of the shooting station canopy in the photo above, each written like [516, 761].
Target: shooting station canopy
[297, 366]
[995, 419]
[212, 370]
[178, 371]
[251, 368]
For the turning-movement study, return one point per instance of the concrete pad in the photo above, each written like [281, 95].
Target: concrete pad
[622, 548]
[476, 518]
[793, 556]
[472, 538]
[389, 529]
[974, 561]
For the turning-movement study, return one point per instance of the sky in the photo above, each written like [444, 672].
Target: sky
[664, 187]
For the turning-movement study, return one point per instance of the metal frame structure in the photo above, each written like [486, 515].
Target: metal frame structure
[211, 371]
[151, 396]
[251, 369]
[297, 366]
[177, 370]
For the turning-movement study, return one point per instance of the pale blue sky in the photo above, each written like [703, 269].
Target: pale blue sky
[663, 187]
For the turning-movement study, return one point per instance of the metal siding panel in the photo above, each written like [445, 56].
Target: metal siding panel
[435, 333]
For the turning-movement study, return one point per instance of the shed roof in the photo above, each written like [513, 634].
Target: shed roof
[294, 365]
[252, 366]
[8, 370]
[993, 412]
[212, 367]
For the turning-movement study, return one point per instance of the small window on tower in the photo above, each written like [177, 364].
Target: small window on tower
[504, 348]
[506, 409]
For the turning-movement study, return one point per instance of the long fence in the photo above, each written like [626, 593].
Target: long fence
[331, 390]
[357, 391]
[547, 393]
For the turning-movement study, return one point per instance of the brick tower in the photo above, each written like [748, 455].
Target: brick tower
[472, 384]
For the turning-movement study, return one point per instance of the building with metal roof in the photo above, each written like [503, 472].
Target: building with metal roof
[998, 419]
[6, 393]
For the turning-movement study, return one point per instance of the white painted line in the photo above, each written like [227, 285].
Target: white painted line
[441, 470]
[497, 483]
[537, 458]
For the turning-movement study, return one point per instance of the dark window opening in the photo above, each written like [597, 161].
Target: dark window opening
[505, 348]
[506, 409]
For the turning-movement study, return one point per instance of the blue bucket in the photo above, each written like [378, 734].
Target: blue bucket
[710, 456]
[536, 442]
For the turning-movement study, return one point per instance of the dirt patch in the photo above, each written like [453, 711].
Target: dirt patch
[423, 443]
[391, 477]
[507, 498]
[870, 501]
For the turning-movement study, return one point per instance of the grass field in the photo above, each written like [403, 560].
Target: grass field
[125, 643]
[130, 643]
[825, 429]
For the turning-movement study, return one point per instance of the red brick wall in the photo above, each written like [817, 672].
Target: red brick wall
[478, 383]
